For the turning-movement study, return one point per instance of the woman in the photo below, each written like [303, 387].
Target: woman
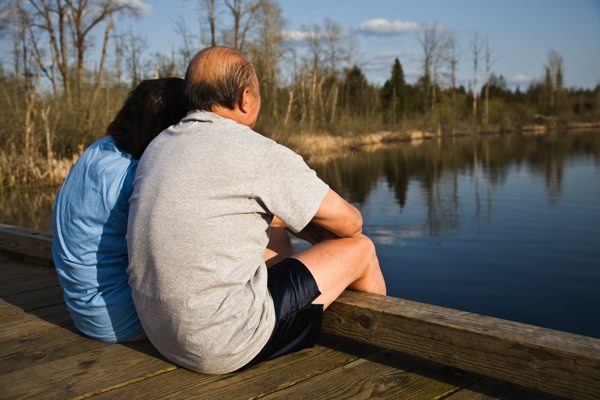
[89, 248]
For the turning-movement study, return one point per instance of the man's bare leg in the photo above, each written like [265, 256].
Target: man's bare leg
[279, 247]
[343, 263]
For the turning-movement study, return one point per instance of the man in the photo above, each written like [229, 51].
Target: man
[205, 195]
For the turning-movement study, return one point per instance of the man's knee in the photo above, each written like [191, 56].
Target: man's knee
[366, 245]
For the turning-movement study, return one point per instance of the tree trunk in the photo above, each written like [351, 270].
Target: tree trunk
[334, 100]
[29, 123]
[99, 75]
[212, 23]
[289, 106]
[45, 116]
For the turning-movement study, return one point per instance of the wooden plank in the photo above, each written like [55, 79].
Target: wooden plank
[38, 298]
[27, 242]
[489, 388]
[255, 382]
[42, 347]
[383, 375]
[28, 286]
[32, 340]
[20, 284]
[19, 325]
[556, 362]
[14, 265]
[105, 366]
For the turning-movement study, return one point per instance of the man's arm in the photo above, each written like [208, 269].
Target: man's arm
[335, 218]
[338, 216]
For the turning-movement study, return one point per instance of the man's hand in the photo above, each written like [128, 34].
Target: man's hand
[314, 234]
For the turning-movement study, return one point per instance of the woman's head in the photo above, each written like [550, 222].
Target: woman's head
[150, 108]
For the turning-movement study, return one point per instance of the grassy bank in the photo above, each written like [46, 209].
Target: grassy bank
[18, 170]
[322, 147]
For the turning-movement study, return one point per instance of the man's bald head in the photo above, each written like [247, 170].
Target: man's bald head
[218, 76]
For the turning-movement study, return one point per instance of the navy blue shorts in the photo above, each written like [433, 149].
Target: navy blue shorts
[297, 320]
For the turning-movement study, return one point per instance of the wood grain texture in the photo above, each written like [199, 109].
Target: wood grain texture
[106, 365]
[18, 324]
[556, 362]
[249, 384]
[28, 286]
[43, 347]
[11, 265]
[489, 388]
[27, 242]
[383, 375]
[20, 284]
[37, 298]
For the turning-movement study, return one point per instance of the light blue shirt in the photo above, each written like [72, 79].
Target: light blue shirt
[89, 248]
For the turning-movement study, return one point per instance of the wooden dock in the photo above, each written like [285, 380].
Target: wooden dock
[372, 347]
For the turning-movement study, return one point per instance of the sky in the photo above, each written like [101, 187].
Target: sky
[520, 32]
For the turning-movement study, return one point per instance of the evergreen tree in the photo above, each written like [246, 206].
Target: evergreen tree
[393, 94]
[355, 92]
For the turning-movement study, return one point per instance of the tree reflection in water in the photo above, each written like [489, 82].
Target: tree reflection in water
[30, 208]
[437, 166]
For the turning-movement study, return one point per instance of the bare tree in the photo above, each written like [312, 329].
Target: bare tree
[23, 101]
[338, 46]
[244, 14]
[266, 51]
[51, 20]
[488, 72]
[134, 45]
[185, 48]
[212, 22]
[67, 25]
[476, 54]
[554, 78]
[314, 40]
[453, 63]
[431, 45]
[119, 54]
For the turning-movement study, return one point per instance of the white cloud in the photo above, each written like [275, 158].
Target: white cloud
[137, 6]
[520, 78]
[382, 26]
[296, 36]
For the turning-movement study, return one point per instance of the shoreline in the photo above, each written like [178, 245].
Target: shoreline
[316, 148]
[321, 147]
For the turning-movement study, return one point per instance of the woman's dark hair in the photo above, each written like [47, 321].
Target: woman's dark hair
[150, 108]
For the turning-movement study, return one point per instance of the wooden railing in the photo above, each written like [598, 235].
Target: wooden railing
[551, 361]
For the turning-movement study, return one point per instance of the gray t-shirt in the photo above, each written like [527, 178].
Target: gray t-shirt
[204, 194]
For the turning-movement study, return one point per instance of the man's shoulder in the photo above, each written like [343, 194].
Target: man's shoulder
[228, 131]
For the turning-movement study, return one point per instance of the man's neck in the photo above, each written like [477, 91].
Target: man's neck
[235, 114]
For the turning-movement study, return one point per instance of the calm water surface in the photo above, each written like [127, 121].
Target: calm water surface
[503, 226]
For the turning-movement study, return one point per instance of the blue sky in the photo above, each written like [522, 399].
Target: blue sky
[521, 33]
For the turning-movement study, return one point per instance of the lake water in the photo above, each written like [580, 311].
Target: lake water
[507, 226]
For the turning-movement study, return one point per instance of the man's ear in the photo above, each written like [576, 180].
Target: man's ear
[245, 101]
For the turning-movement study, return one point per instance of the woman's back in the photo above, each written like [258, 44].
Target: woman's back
[89, 247]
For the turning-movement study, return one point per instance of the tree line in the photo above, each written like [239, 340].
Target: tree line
[59, 92]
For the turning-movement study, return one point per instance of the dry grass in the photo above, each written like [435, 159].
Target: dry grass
[20, 170]
[321, 147]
